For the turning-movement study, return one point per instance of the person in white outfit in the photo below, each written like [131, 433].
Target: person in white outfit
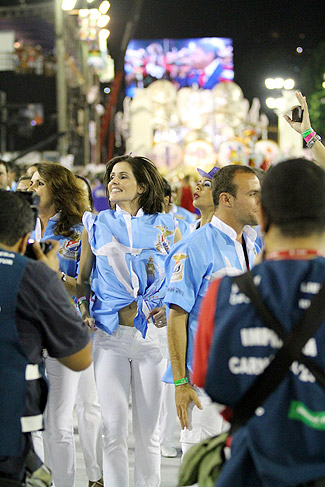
[123, 252]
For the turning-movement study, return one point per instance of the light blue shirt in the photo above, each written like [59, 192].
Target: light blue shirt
[130, 253]
[182, 214]
[210, 252]
[70, 248]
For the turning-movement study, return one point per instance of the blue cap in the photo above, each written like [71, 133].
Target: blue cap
[209, 174]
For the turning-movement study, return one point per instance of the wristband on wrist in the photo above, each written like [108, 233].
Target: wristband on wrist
[313, 141]
[309, 137]
[180, 382]
[82, 299]
[307, 132]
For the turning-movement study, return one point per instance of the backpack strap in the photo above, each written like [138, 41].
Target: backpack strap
[293, 343]
[246, 284]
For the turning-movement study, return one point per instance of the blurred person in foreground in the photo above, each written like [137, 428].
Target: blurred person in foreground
[283, 443]
[223, 246]
[34, 310]
[313, 141]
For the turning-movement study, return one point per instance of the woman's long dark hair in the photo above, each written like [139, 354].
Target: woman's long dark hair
[67, 196]
[146, 175]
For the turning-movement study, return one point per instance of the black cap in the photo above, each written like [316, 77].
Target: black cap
[293, 190]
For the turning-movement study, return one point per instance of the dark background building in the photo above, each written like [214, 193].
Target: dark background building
[271, 39]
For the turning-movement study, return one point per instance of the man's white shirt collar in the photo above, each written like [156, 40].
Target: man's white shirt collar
[249, 231]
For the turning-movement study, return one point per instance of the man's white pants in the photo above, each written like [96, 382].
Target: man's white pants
[168, 416]
[203, 423]
[68, 389]
[125, 361]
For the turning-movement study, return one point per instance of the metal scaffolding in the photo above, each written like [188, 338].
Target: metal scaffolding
[29, 9]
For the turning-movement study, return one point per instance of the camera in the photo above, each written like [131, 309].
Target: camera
[33, 199]
[297, 114]
[45, 247]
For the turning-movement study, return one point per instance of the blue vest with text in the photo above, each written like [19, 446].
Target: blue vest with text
[23, 395]
[284, 442]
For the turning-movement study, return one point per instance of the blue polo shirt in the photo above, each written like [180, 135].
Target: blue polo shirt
[208, 253]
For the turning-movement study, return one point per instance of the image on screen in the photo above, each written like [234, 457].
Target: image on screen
[204, 62]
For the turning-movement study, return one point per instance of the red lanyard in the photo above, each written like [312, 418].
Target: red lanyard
[294, 254]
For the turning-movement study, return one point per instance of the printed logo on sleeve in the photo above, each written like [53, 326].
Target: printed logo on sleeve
[162, 244]
[178, 271]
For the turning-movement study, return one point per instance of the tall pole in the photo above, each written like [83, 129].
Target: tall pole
[61, 82]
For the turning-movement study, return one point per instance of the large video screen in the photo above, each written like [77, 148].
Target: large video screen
[185, 62]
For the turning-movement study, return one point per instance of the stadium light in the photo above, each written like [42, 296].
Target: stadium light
[68, 4]
[104, 7]
[103, 20]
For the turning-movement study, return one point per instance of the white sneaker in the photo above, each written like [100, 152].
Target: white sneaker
[168, 451]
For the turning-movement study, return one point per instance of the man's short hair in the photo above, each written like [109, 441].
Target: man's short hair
[293, 198]
[223, 181]
[260, 174]
[16, 217]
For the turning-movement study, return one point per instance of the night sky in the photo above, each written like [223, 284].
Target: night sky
[265, 33]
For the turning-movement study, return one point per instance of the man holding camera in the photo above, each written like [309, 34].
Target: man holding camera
[35, 313]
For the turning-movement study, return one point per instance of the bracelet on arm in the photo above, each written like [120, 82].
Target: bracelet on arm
[307, 132]
[309, 137]
[313, 141]
[82, 299]
[180, 382]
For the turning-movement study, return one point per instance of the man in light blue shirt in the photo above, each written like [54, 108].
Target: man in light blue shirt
[225, 246]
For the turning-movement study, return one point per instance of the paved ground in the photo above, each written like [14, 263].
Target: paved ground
[169, 466]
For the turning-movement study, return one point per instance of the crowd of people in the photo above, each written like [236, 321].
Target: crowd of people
[117, 279]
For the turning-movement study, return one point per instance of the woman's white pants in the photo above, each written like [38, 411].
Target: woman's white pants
[125, 362]
[69, 389]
